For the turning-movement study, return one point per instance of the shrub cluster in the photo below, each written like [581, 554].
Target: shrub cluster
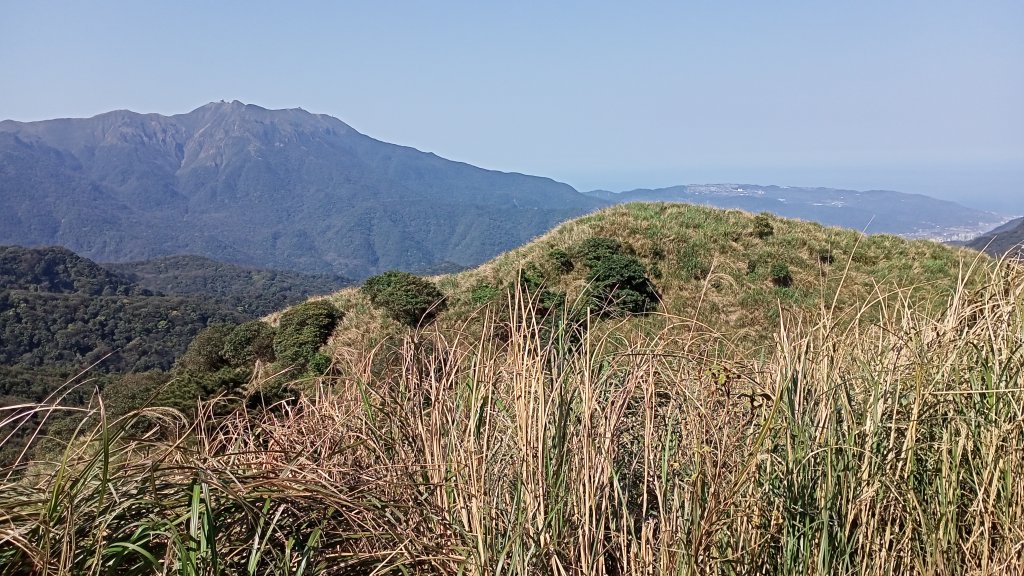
[618, 279]
[619, 284]
[546, 302]
[302, 331]
[483, 293]
[406, 298]
[561, 260]
[227, 346]
[763, 227]
[780, 275]
[596, 248]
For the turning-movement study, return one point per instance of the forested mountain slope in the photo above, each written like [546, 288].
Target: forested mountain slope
[281, 189]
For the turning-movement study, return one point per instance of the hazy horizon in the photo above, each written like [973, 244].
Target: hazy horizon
[919, 97]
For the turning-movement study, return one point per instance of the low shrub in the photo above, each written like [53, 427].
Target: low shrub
[406, 298]
[780, 275]
[825, 255]
[561, 260]
[249, 342]
[619, 284]
[206, 351]
[763, 227]
[483, 293]
[595, 249]
[303, 330]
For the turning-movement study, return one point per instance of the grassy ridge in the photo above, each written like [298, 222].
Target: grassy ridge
[708, 265]
[884, 434]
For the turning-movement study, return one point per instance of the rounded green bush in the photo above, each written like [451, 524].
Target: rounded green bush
[619, 284]
[595, 249]
[561, 260]
[318, 364]
[483, 293]
[303, 330]
[763, 227]
[206, 351]
[405, 297]
[249, 342]
[780, 275]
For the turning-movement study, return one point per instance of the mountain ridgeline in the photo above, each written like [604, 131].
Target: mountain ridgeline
[1006, 239]
[295, 191]
[280, 189]
[872, 211]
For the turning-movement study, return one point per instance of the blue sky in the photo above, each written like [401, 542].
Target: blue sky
[907, 95]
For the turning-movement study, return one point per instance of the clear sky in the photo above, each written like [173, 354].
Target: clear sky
[918, 96]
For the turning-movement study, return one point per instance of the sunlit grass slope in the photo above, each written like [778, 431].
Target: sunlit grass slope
[711, 267]
[873, 424]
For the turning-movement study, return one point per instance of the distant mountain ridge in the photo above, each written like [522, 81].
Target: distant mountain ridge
[1006, 239]
[282, 189]
[874, 211]
[294, 191]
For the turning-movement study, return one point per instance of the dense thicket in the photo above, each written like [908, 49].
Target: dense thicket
[62, 312]
[122, 334]
[62, 315]
[302, 331]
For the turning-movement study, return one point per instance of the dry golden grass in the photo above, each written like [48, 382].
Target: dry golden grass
[881, 438]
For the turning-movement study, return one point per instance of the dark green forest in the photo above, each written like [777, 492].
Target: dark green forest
[65, 318]
[251, 291]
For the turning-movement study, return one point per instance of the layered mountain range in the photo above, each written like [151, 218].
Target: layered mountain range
[295, 191]
[872, 211]
[283, 189]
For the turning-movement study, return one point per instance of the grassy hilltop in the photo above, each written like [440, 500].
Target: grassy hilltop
[732, 272]
[651, 389]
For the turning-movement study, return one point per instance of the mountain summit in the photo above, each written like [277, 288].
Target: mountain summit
[285, 189]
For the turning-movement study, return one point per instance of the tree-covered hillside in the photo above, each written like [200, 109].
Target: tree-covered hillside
[254, 292]
[281, 189]
[62, 313]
